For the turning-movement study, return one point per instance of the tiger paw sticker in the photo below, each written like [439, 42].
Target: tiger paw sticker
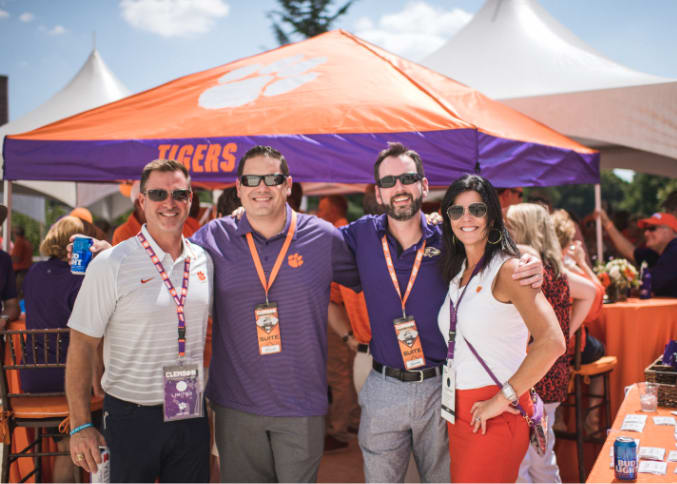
[246, 84]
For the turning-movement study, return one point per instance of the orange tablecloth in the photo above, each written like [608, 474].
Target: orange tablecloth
[635, 331]
[652, 436]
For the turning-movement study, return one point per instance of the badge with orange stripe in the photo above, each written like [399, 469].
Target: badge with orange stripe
[409, 343]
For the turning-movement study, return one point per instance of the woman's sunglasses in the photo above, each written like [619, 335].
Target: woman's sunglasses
[406, 179]
[160, 194]
[269, 180]
[477, 209]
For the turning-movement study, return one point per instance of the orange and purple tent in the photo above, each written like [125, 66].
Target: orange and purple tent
[329, 104]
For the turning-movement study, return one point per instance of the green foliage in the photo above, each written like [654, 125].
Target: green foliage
[304, 18]
[641, 197]
[35, 232]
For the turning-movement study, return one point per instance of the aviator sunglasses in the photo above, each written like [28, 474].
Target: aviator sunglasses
[406, 179]
[269, 180]
[160, 194]
[477, 209]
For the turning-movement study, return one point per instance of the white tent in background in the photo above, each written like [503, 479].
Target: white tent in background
[513, 50]
[94, 85]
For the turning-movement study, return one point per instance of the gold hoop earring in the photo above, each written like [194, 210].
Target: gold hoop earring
[500, 237]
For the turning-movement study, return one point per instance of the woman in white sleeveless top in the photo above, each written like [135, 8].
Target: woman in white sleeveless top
[489, 437]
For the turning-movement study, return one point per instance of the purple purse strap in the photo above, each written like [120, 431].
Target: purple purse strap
[491, 374]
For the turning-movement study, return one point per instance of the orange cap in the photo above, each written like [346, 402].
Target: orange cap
[659, 218]
[83, 214]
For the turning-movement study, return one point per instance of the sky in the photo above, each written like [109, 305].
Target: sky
[145, 43]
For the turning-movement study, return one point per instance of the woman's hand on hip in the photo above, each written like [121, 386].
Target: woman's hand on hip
[487, 409]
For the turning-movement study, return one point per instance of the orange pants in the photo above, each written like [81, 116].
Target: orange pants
[494, 456]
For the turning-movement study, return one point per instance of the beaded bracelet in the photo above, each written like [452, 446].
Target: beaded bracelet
[81, 427]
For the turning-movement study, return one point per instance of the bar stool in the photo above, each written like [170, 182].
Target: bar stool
[582, 374]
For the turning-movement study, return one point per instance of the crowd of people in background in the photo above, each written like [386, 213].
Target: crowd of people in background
[340, 356]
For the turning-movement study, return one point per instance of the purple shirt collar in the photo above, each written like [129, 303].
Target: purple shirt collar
[381, 224]
[244, 227]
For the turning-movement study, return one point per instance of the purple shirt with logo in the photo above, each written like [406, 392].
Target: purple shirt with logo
[383, 304]
[292, 383]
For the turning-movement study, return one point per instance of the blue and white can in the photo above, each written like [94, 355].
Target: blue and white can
[625, 459]
[102, 474]
[81, 255]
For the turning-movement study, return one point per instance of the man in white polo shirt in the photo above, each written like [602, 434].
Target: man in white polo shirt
[149, 297]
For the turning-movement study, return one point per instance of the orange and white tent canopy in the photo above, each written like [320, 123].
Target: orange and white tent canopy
[329, 104]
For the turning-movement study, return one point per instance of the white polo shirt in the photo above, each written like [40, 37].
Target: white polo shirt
[124, 300]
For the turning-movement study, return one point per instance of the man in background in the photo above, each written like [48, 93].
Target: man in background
[8, 295]
[22, 257]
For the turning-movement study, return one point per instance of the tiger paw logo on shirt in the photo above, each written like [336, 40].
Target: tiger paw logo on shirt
[295, 260]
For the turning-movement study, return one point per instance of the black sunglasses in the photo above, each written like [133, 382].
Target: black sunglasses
[269, 180]
[477, 209]
[406, 179]
[651, 228]
[160, 194]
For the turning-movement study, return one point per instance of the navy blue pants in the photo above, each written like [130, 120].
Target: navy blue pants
[144, 448]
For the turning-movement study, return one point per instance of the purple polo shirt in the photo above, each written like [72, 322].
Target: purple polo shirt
[292, 383]
[49, 293]
[663, 268]
[383, 304]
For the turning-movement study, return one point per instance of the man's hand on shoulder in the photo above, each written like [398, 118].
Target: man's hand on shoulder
[529, 271]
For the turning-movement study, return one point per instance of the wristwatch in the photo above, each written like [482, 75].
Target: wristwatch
[346, 336]
[509, 392]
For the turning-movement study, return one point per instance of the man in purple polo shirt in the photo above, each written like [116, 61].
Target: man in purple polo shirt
[267, 382]
[397, 256]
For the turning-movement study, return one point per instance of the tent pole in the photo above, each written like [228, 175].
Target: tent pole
[7, 224]
[598, 222]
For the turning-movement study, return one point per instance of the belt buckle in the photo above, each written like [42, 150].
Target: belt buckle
[420, 376]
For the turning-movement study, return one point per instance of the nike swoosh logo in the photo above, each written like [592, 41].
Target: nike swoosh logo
[143, 281]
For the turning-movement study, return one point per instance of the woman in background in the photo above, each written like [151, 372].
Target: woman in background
[530, 224]
[592, 349]
[489, 436]
[49, 294]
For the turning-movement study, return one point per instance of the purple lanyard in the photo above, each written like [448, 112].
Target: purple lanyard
[179, 301]
[453, 311]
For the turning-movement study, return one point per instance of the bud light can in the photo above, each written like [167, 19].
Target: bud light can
[81, 255]
[102, 473]
[625, 459]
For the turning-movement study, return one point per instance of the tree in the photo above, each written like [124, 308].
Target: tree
[305, 18]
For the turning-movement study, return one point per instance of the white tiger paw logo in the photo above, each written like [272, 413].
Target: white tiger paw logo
[246, 84]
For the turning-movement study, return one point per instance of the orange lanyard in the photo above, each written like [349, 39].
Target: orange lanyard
[393, 276]
[278, 261]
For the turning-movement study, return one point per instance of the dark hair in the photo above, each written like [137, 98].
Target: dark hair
[397, 149]
[227, 202]
[163, 166]
[260, 150]
[453, 254]
[296, 196]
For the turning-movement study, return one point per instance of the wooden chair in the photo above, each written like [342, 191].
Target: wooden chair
[582, 374]
[41, 412]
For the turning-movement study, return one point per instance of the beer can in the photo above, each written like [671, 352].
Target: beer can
[625, 459]
[81, 255]
[102, 474]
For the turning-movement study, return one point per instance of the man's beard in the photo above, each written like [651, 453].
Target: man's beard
[403, 213]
